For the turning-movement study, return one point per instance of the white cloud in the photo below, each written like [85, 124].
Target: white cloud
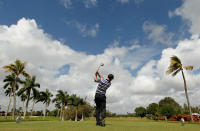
[66, 3]
[46, 56]
[87, 31]
[189, 11]
[90, 3]
[158, 33]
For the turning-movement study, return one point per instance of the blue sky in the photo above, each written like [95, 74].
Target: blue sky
[116, 20]
[64, 41]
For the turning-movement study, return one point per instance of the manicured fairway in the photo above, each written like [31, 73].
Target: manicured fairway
[112, 125]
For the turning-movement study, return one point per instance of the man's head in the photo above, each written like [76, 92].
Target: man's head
[110, 77]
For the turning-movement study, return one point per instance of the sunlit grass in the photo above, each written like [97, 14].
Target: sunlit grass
[112, 124]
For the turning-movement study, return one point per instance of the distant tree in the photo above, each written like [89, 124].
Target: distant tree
[140, 111]
[167, 110]
[176, 67]
[10, 82]
[8, 92]
[195, 109]
[23, 99]
[63, 99]
[77, 101]
[29, 88]
[45, 97]
[152, 109]
[35, 96]
[185, 109]
[58, 108]
[170, 101]
[17, 69]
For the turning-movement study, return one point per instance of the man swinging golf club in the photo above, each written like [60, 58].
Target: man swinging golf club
[100, 96]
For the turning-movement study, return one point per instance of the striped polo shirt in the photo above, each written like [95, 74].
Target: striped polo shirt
[102, 86]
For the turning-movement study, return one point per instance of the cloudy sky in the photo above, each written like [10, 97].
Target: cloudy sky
[64, 41]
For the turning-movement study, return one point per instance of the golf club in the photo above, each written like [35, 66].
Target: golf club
[100, 66]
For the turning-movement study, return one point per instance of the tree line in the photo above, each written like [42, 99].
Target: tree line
[166, 107]
[30, 91]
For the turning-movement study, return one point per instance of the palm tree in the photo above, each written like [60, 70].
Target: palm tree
[23, 99]
[62, 98]
[45, 97]
[174, 68]
[35, 97]
[58, 107]
[8, 92]
[9, 85]
[76, 101]
[17, 68]
[29, 85]
[84, 103]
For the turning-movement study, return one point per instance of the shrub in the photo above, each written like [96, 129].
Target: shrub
[185, 117]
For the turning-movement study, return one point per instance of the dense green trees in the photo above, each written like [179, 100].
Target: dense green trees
[30, 91]
[140, 111]
[152, 109]
[166, 107]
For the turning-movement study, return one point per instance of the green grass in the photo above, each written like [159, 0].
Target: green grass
[112, 124]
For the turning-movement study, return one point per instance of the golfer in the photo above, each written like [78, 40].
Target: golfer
[100, 97]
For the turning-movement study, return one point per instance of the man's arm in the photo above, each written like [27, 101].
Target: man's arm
[95, 77]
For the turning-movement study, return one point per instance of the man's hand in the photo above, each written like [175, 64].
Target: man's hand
[97, 73]
[95, 78]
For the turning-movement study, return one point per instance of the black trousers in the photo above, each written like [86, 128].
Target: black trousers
[100, 101]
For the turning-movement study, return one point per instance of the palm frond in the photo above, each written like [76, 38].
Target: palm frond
[189, 67]
[21, 91]
[24, 73]
[6, 85]
[175, 59]
[176, 72]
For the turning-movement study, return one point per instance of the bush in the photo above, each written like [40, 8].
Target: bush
[185, 117]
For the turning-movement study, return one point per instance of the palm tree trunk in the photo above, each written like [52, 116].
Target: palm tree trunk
[58, 113]
[82, 117]
[76, 114]
[14, 100]
[45, 110]
[186, 94]
[61, 110]
[26, 106]
[32, 108]
[10, 98]
[63, 113]
[23, 107]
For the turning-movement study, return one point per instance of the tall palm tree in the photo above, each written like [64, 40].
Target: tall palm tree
[76, 101]
[62, 98]
[174, 68]
[17, 69]
[23, 99]
[29, 85]
[34, 97]
[45, 97]
[9, 86]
